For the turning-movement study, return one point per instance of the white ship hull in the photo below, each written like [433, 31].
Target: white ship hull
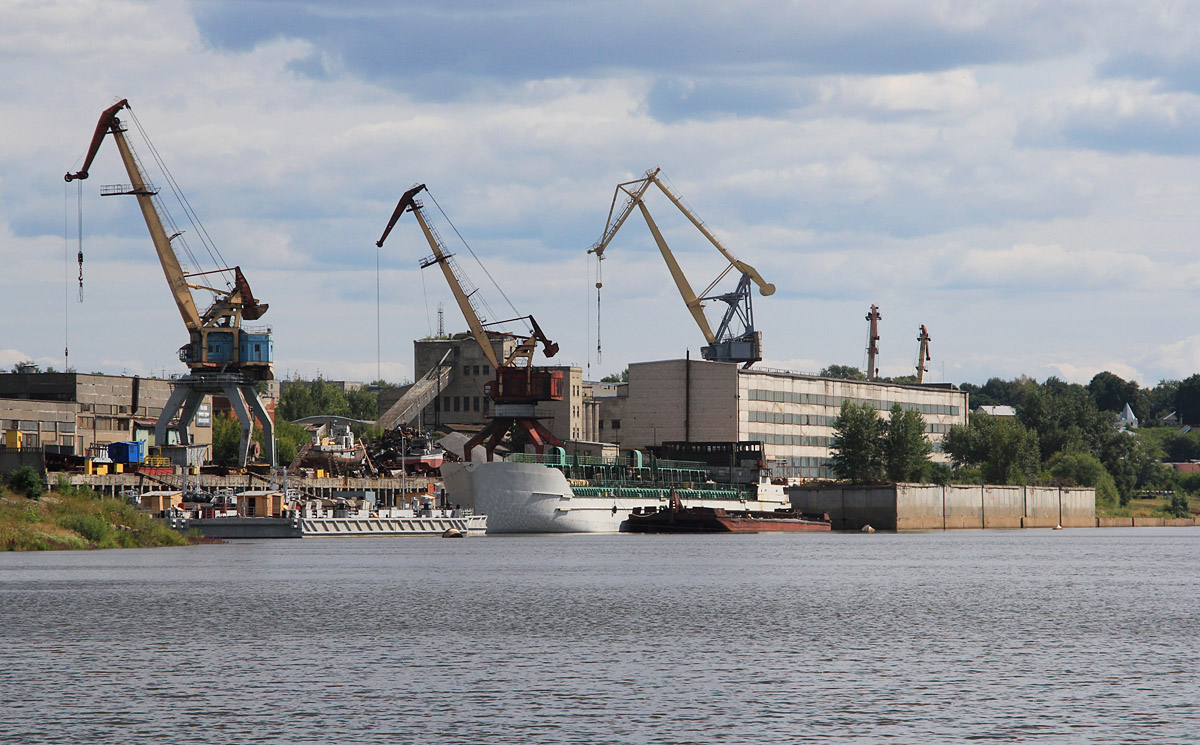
[535, 498]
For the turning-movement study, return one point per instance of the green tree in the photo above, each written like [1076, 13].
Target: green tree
[1111, 393]
[289, 438]
[1003, 449]
[1082, 469]
[226, 439]
[26, 481]
[363, 404]
[1187, 400]
[1159, 401]
[843, 372]
[1178, 506]
[622, 378]
[1065, 418]
[905, 447]
[856, 452]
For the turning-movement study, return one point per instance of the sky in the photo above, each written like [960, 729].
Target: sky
[1018, 176]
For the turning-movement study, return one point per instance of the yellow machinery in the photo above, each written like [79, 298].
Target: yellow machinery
[726, 344]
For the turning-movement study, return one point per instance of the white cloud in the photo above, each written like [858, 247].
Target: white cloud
[913, 186]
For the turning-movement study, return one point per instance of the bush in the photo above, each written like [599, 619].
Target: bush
[26, 481]
[1178, 507]
[92, 527]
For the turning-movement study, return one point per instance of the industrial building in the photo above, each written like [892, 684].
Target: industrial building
[76, 413]
[451, 373]
[790, 413]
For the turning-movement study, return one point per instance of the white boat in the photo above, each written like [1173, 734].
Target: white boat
[549, 494]
[361, 519]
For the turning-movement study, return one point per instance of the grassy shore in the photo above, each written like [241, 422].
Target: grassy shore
[72, 518]
[1147, 507]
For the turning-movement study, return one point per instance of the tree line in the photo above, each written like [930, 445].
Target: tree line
[1063, 433]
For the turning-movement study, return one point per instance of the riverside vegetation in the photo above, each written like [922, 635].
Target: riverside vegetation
[1063, 434]
[32, 519]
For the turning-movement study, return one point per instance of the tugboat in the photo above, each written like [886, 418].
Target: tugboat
[675, 518]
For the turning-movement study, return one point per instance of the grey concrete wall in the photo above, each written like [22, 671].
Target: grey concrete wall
[964, 507]
[920, 507]
[904, 507]
[1077, 507]
[1042, 508]
[1003, 506]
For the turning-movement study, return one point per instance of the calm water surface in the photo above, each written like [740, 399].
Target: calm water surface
[1079, 636]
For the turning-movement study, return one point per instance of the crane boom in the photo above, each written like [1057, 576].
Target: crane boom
[442, 257]
[723, 345]
[517, 389]
[109, 123]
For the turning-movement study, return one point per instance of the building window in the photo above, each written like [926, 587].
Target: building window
[477, 403]
[466, 369]
[457, 401]
[445, 403]
[485, 370]
[616, 424]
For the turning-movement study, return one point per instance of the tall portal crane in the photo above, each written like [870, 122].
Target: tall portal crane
[519, 385]
[922, 354]
[728, 343]
[222, 356]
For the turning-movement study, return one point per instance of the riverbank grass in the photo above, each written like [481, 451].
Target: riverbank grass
[74, 518]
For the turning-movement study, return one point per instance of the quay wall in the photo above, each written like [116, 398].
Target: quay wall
[911, 507]
[964, 507]
[1043, 508]
[919, 507]
[1003, 506]
[1078, 507]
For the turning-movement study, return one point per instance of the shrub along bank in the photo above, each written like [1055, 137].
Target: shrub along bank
[75, 518]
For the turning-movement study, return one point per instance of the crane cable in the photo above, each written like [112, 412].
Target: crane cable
[599, 284]
[481, 266]
[213, 252]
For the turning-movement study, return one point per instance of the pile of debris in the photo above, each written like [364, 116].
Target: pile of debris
[407, 451]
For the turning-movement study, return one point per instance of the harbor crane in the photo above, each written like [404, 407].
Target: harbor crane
[922, 354]
[223, 356]
[735, 339]
[519, 385]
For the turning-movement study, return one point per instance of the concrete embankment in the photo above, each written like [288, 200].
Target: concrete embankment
[906, 507]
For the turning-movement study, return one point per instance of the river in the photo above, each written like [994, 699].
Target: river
[1076, 636]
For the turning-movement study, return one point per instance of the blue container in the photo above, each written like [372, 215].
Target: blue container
[257, 348]
[133, 451]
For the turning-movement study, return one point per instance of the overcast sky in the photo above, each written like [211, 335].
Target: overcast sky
[1018, 176]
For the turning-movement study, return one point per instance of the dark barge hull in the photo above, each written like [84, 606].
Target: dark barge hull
[710, 520]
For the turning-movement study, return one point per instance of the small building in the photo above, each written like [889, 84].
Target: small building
[1127, 420]
[157, 502]
[260, 503]
[997, 410]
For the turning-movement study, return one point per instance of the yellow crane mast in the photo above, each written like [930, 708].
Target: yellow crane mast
[725, 344]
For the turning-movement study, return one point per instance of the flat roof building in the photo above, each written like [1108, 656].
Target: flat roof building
[792, 414]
